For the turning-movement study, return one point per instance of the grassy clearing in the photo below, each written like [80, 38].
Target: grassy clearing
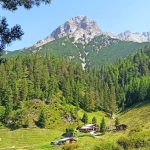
[27, 138]
[99, 115]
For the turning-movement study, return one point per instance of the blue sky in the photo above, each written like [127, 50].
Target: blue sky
[111, 15]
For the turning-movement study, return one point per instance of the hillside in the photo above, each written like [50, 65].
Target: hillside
[139, 116]
[39, 139]
[101, 50]
[81, 40]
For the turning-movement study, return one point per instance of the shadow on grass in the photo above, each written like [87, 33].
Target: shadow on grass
[135, 106]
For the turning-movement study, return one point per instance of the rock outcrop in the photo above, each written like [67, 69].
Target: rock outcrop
[80, 28]
[135, 37]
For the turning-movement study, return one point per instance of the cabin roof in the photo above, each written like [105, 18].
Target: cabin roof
[88, 126]
[66, 139]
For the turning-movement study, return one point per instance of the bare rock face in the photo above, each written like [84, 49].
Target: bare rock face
[135, 37]
[80, 28]
[83, 30]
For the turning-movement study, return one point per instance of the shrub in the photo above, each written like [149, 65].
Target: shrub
[70, 146]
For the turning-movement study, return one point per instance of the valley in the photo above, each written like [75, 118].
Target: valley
[78, 75]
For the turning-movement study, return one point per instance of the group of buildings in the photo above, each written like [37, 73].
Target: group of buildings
[86, 128]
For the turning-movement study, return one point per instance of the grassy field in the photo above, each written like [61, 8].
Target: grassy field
[27, 138]
[137, 116]
[39, 139]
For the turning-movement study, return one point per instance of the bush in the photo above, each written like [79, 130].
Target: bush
[70, 146]
[17, 119]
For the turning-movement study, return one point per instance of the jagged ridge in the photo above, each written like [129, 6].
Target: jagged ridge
[83, 30]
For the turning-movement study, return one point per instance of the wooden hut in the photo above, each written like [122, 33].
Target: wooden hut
[121, 127]
[89, 128]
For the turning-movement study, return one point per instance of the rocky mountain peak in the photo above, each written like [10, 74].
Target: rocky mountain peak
[83, 30]
[80, 28]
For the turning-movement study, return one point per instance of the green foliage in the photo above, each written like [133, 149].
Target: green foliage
[103, 126]
[2, 113]
[17, 119]
[53, 80]
[41, 120]
[70, 146]
[94, 120]
[117, 121]
[102, 50]
[7, 35]
[85, 118]
[69, 132]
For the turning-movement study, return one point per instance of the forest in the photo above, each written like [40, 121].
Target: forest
[50, 79]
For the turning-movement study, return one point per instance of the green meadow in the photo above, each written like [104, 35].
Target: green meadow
[137, 119]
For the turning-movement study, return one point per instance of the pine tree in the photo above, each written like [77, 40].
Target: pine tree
[94, 120]
[103, 126]
[42, 120]
[85, 118]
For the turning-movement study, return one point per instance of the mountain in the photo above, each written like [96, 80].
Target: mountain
[83, 30]
[81, 40]
[80, 28]
[135, 37]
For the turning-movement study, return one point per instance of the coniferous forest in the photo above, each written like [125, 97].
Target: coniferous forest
[52, 80]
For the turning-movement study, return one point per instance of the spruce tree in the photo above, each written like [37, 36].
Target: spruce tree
[94, 120]
[85, 118]
[103, 125]
[117, 121]
[42, 120]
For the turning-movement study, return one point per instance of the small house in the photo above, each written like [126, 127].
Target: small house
[121, 127]
[89, 128]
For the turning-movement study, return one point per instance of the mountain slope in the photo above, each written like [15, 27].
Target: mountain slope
[83, 29]
[137, 116]
[81, 40]
[99, 51]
